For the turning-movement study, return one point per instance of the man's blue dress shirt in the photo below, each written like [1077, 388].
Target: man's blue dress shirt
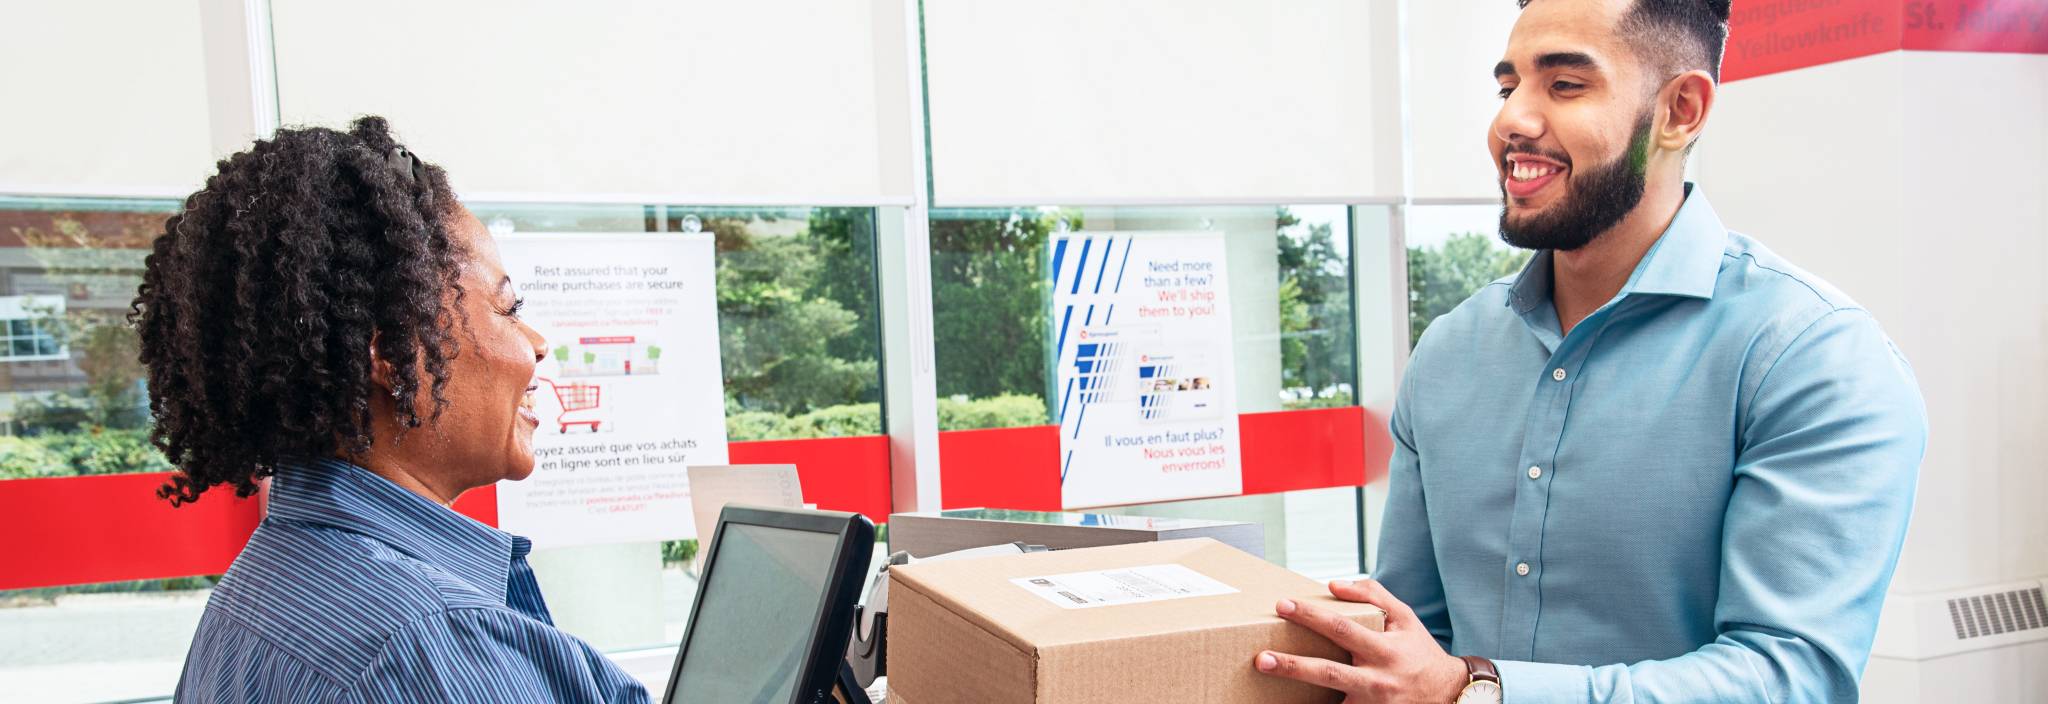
[356, 590]
[1698, 495]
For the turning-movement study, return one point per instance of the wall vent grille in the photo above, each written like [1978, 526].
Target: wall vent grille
[1998, 613]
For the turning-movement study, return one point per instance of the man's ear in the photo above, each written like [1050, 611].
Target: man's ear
[1683, 103]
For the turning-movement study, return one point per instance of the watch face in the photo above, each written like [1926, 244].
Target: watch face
[1480, 692]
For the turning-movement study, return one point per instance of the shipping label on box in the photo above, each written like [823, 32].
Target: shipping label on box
[937, 533]
[1123, 585]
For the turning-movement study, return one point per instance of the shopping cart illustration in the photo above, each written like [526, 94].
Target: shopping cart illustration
[575, 398]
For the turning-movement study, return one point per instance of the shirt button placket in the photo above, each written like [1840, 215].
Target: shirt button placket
[1545, 425]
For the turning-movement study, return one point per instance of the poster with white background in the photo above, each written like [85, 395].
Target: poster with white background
[630, 391]
[1146, 402]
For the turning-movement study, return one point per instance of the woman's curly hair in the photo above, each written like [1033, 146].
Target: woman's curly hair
[261, 300]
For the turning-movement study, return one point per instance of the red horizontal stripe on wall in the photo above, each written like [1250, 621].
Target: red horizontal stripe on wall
[480, 503]
[83, 530]
[837, 474]
[1013, 468]
[1018, 468]
[113, 528]
[1309, 449]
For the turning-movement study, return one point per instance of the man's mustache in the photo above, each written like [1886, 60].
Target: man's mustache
[1533, 150]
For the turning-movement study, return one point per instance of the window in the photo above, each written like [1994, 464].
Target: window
[31, 335]
[605, 105]
[72, 403]
[1289, 279]
[71, 394]
[798, 341]
[798, 333]
[1453, 251]
[991, 280]
[800, 346]
[626, 149]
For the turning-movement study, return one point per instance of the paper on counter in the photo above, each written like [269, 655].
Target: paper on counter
[713, 487]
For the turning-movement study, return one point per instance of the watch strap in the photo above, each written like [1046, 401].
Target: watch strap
[1481, 669]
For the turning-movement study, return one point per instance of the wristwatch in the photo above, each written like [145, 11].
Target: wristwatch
[1485, 685]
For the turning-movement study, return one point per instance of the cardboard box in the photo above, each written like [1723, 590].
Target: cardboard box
[937, 533]
[1176, 621]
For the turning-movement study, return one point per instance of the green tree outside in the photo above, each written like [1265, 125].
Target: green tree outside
[992, 293]
[787, 340]
[1441, 277]
[1316, 342]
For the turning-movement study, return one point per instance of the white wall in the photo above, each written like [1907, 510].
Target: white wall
[1912, 180]
[105, 97]
[2013, 674]
[1977, 204]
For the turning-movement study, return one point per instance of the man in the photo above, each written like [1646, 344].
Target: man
[1661, 463]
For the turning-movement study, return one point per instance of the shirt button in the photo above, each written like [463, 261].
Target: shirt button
[1522, 569]
[1535, 472]
[1557, 374]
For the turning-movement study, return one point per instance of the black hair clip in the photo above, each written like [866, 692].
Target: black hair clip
[406, 165]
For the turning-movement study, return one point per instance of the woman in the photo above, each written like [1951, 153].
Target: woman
[325, 313]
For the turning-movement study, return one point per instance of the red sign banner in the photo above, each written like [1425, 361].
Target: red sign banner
[1994, 26]
[1773, 36]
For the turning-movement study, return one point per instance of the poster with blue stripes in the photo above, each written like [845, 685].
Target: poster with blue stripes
[1145, 396]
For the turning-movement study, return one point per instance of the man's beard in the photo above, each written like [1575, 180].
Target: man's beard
[1598, 199]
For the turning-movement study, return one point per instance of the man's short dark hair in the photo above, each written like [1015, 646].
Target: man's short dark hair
[1676, 35]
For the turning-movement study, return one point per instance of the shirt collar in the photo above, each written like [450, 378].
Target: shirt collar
[340, 495]
[1685, 261]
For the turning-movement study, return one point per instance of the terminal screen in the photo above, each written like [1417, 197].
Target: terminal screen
[758, 617]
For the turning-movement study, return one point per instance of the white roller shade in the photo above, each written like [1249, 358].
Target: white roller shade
[104, 97]
[702, 101]
[1452, 48]
[1084, 101]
